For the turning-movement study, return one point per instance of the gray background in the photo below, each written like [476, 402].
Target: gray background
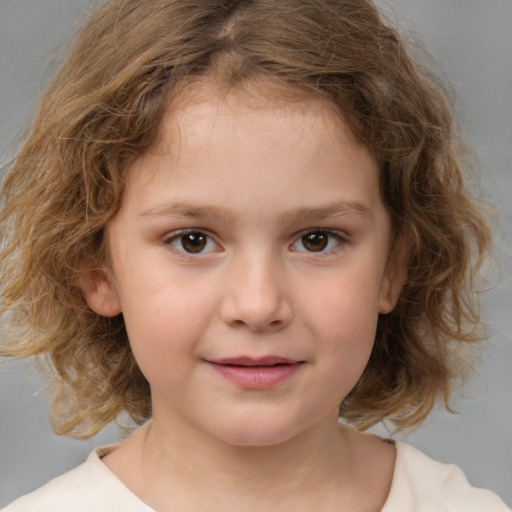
[473, 41]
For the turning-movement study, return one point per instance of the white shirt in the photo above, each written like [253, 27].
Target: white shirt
[419, 484]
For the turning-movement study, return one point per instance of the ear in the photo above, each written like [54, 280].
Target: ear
[393, 280]
[100, 292]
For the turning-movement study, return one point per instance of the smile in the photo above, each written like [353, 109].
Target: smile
[261, 373]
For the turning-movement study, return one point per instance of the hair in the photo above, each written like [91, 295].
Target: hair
[103, 109]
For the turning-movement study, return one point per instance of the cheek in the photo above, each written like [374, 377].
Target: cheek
[164, 323]
[344, 317]
[163, 300]
[347, 302]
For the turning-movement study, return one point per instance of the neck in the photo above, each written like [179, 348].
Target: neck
[328, 467]
[189, 460]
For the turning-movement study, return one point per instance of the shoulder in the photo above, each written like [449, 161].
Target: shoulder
[89, 487]
[421, 484]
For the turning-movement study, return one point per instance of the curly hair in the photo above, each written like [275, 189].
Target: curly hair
[104, 108]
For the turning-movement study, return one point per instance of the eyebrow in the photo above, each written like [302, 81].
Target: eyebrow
[189, 210]
[340, 208]
[193, 211]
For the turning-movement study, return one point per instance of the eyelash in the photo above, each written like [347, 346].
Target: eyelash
[180, 235]
[338, 236]
[322, 235]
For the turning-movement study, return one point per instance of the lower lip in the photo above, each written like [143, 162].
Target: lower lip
[257, 377]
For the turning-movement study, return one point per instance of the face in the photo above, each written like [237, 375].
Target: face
[250, 260]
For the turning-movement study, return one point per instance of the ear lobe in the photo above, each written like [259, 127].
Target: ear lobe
[100, 292]
[392, 282]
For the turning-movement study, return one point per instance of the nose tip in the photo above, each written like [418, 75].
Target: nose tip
[257, 301]
[255, 321]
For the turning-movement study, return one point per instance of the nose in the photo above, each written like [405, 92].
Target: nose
[256, 295]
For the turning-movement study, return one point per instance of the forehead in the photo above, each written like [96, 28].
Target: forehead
[253, 100]
[229, 146]
[205, 107]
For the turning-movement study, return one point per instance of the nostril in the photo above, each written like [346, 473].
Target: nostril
[256, 312]
[253, 326]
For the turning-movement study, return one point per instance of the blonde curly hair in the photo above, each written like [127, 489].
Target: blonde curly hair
[103, 109]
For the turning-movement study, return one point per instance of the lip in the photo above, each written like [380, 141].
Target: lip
[256, 373]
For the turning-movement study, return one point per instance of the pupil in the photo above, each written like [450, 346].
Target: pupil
[315, 241]
[193, 242]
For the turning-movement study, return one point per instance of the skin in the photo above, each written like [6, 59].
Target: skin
[253, 179]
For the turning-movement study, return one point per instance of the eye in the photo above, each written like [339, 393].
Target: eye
[317, 241]
[192, 242]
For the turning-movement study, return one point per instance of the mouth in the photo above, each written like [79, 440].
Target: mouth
[249, 362]
[256, 373]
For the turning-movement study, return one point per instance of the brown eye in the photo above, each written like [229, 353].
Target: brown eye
[316, 241]
[319, 240]
[194, 242]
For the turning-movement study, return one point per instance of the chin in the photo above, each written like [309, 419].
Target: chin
[257, 432]
[256, 439]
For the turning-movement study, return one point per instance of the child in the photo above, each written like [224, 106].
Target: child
[242, 215]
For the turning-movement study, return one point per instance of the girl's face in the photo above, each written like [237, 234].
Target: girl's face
[250, 261]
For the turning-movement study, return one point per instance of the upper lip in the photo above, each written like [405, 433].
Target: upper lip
[251, 361]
